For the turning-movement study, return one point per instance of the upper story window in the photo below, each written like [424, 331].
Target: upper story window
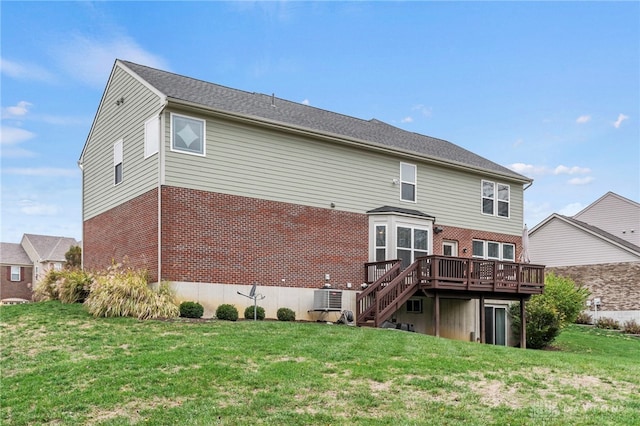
[151, 136]
[188, 134]
[15, 273]
[408, 182]
[496, 199]
[117, 162]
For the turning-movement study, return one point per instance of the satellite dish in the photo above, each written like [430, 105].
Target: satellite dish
[252, 293]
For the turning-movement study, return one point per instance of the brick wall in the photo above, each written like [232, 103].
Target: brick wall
[22, 289]
[128, 232]
[464, 237]
[616, 284]
[218, 238]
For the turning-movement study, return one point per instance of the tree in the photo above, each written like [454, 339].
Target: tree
[74, 257]
[548, 313]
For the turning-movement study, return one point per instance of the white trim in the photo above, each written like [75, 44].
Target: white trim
[118, 159]
[19, 273]
[151, 136]
[204, 135]
[495, 199]
[453, 245]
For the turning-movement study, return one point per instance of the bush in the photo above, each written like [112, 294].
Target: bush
[248, 313]
[548, 313]
[227, 312]
[286, 314]
[191, 310]
[68, 286]
[631, 327]
[584, 318]
[607, 323]
[124, 292]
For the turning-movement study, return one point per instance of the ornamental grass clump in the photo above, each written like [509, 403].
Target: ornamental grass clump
[125, 292]
[607, 323]
[631, 327]
[67, 286]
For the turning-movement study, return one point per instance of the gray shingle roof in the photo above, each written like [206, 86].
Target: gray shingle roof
[49, 247]
[13, 254]
[391, 209]
[261, 106]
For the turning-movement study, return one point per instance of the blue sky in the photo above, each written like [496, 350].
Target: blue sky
[549, 89]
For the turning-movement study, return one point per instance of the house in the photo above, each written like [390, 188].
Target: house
[598, 248]
[215, 189]
[26, 263]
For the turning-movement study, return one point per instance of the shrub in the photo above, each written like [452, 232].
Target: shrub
[607, 323]
[191, 310]
[227, 312]
[548, 313]
[631, 327]
[584, 318]
[259, 311]
[124, 292]
[286, 314]
[68, 286]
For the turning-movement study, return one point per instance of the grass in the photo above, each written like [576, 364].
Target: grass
[60, 366]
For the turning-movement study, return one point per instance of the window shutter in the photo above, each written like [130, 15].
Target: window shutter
[151, 136]
[117, 152]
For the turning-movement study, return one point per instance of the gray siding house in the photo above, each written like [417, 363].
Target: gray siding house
[599, 249]
[214, 189]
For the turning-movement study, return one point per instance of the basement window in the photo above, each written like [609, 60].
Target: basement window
[414, 306]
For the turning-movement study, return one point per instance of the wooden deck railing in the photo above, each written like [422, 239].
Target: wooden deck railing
[389, 287]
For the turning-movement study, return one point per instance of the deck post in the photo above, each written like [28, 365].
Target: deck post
[436, 313]
[482, 321]
[523, 324]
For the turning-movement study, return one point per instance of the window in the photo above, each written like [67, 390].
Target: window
[151, 136]
[492, 204]
[411, 244]
[493, 250]
[407, 182]
[381, 243]
[450, 248]
[57, 266]
[187, 134]
[117, 162]
[414, 306]
[15, 273]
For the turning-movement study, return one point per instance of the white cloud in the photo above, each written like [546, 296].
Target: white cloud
[518, 142]
[24, 71]
[583, 119]
[14, 135]
[426, 111]
[528, 169]
[564, 170]
[306, 102]
[42, 171]
[581, 181]
[91, 60]
[18, 110]
[571, 209]
[618, 122]
[407, 120]
[33, 208]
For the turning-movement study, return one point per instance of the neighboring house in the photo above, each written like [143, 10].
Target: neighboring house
[214, 189]
[33, 257]
[16, 277]
[598, 248]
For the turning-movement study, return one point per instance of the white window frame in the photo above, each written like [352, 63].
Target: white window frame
[405, 180]
[151, 136]
[495, 199]
[118, 160]
[377, 247]
[485, 250]
[204, 135]
[14, 273]
[453, 245]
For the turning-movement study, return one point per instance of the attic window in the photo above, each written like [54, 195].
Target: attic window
[187, 134]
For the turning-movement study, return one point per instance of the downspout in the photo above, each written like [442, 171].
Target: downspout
[160, 182]
[81, 167]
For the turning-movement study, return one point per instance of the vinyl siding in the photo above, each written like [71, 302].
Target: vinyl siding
[114, 122]
[615, 215]
[558, 243]
[262, 163]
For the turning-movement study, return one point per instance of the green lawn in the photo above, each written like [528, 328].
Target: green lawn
[60, 366]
